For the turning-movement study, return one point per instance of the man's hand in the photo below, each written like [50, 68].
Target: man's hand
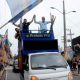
[34, 16]
[13, 23]
[16, 24]
[53, 18]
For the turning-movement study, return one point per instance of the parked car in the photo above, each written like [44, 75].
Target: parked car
[15, 66]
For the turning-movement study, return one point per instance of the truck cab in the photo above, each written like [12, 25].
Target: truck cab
[41, 57]
[47, 66]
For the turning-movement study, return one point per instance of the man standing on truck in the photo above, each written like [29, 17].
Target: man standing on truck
[43, 23]
[25, 25]
[25, 28]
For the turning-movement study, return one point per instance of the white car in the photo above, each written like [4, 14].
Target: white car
[48, 66]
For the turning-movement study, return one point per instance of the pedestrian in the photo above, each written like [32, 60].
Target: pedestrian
[43, 23]
[74, 64]
[78, 66]
[17, 35]
[1, 65]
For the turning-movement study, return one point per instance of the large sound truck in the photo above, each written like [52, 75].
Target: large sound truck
[41, 57]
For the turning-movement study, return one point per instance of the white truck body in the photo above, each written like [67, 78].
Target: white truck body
[41, 67]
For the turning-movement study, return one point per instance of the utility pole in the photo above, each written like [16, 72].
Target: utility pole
[64, 24]
[70, 34]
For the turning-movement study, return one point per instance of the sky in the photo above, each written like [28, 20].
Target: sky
[43, 9]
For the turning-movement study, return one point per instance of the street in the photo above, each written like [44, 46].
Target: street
[76, 78]
[76, 75]
[10, 75]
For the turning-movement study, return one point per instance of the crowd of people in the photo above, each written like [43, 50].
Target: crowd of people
[74, 63]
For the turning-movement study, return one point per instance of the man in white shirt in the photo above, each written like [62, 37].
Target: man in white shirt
[43, 23]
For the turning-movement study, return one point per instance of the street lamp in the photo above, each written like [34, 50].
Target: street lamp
[60, 11]
[64, 24]
[56, 9]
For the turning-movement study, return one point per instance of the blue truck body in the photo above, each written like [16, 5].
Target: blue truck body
[39, 42]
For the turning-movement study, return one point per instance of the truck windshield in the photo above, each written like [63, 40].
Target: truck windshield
[47, 61]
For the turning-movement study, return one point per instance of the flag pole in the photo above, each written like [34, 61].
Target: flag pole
[20, 54]
[4, 25]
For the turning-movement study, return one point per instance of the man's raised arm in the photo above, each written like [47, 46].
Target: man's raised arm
[34, 18]
[52, 17]
[16, 25]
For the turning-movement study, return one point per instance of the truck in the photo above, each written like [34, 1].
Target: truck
[41, 59]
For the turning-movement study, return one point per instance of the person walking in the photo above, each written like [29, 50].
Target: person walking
[74, 64]
[1, 65]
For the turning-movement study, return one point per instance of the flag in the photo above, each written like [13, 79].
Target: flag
[3, 55]
[7, 44]
[1, 46]
[19, 7]
[6, 41]
[1, 42]
[5, 52]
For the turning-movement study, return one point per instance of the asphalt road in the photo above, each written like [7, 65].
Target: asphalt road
[76, 75]
[10, 75]
[76, 78]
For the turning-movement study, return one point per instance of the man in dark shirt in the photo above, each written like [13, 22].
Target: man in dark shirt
[25, 25]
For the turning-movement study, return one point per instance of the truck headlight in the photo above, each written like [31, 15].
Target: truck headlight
[34, 78]
[70, 76]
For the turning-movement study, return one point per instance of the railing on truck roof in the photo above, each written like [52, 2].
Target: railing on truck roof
[37, 35]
